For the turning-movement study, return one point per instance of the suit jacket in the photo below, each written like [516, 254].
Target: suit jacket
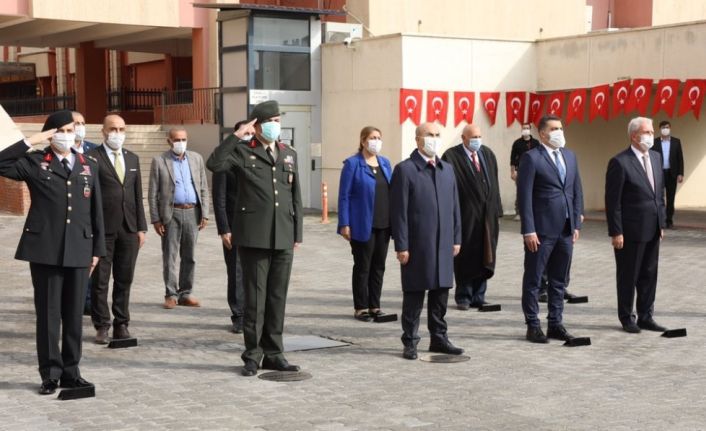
[426, 221]
[122, 202]
[268, 210]
[479, 198]
[356, 195]
[225, 187]
[633, 209]
[64, 226]
[160, 193]
[676, 157]
[544, 202]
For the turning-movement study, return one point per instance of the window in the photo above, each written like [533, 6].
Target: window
[280, 54]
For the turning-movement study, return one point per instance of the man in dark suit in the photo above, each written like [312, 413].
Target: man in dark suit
[83, 146]
[426, 227]
[634, 202]
[266, 228]
[670, 151]
[62, 240]
[550, 199]
[125, 228]
[476, 172]
[224, 200]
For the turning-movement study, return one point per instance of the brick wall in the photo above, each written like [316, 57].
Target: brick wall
[14, 197]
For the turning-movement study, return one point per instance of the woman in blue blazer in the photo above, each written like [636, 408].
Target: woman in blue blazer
[364, 220]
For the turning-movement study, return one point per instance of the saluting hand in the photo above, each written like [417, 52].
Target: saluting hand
[245, 129]
[40, 137]
[159, 228]
[403, 257]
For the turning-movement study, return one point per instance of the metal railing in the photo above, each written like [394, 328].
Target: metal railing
[133, 99]
[38, 106]
[197, 105]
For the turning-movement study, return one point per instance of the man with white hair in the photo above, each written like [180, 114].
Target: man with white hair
[634, 201]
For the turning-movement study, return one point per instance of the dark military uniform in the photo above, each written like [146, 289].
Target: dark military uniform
[266, 224]
[63, 231]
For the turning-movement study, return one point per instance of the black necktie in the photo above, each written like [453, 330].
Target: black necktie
[269, 154]
[65, 162]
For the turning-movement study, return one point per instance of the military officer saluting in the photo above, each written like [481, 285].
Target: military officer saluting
[62, 241]
[267, 226]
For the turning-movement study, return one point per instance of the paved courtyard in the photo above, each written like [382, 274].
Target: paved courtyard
[185, 374]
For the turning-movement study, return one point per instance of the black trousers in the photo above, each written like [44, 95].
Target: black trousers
[265, 283]
[670, 185]
[235, 282]
[369, 268]
[636, 271]
[412, 304]
[121, 254]
[59, 294]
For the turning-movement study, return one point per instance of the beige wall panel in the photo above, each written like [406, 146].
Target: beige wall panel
[562, 64]
[41, 63]
[234, 31]
[138, 12]
[635, 54]
[684, 48]
[143, 57]
[235, 69]
[676, 11]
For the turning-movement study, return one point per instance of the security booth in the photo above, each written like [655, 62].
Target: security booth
[273, 53]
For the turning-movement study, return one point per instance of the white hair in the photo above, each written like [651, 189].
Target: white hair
[635, 124]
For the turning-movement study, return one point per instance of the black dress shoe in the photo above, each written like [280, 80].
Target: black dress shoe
[102, 336]
[120, 332]
[463, 307]
[543, 298]
[278, 365]
[447, 348]
[363, 316]
[558, 332]
[535, 335]
[238, 325]
[410, 352]
[48, 387]
[568, 295]
[631, 327]
[650, 325]
[75, 383]
[478, 304]
[249, 369]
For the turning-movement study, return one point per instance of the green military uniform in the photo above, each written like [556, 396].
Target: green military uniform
[267, 222]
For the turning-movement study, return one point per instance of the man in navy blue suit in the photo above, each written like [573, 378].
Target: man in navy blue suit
[83, 146]
[550, 201]
[635, 210]
[426, 225]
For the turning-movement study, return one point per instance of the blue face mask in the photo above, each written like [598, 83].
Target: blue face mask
[474, 144]
[271, 131]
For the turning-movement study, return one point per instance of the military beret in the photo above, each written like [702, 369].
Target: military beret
[58, 119]
[265, 110]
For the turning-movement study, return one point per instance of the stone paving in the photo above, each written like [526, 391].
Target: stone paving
[184, 375]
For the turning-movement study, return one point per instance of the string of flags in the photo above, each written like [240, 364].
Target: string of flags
[627, 96]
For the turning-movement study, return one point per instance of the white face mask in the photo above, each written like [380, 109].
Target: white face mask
[665, 131]
[115, 140]
[432, 145]
[474, 144]
[178, 147]
[247, 138]
[525, 133]
[63, 141]
[80, 131]
[556, 138]
[374, 145]
[646, 141]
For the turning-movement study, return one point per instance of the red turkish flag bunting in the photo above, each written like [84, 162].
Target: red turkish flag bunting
[555, 104]
[464, 104]
[536, 107]
[490, 104]
[515, 106]
[410, 105]
[692, 96]
[621, 92]
[576, 108]
[437, 106]
[599, 102]
[639, 96]
[666, 96]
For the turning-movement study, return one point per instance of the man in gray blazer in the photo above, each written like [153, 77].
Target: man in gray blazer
[178, 198]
